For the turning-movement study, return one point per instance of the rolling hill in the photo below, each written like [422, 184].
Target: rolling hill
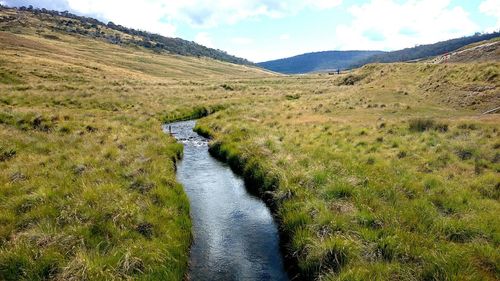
[427, 51]
[330, 60]
[16, 18]
[479, 52]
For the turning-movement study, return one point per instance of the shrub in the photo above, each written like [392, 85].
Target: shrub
[424, 124]
[292, 97]
[350, 80]
[227, 87]
[402, 154]
[464, 153]
[421, 125]
[466, 126]
[6, 154]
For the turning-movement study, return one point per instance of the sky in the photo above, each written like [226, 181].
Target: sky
[261, 30]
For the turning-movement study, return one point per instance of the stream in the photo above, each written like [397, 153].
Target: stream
[235, 236]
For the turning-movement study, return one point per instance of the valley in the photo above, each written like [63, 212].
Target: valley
[387, 172]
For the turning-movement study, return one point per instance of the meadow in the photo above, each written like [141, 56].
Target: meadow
[389, 172]
[87, 176]
[380, 180]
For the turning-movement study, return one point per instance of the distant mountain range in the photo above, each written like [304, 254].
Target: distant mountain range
[332, 60]
[319, 61]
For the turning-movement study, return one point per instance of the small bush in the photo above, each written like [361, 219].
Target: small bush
[6, 154]
[466, 126]
[464, 153]
[460, 233]
[65, 130]
[227, 87]
[370, 161]
[146, 229]
[402, 154]
[422, 125]
[350, 80]
[292, 97]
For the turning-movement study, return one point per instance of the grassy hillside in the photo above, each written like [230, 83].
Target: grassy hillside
[87, 178]
[386, 173]
[14, 19]
[426, 51]
[319, 61]
[480, 52]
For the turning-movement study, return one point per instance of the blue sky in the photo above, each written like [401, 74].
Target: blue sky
[261, 30]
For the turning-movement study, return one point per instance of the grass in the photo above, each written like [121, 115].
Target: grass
[385, 173]
[87, 177]
[370, 192]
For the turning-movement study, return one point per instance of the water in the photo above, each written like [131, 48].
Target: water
[235, 237]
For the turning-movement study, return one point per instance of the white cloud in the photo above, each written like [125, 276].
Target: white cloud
[205, 13]
[204, 39]
[242, 40]
[491, 8]
[390, 24]
[284, 37]
[324, 4]
[157, 15]
[148, 15]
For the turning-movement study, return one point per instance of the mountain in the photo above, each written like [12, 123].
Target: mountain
[319, 61]
[69, 23]
[330, 60]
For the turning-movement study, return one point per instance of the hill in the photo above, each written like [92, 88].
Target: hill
[14, 19]
[479, 52]
[331, 60]
[319, 61]
[427, 51]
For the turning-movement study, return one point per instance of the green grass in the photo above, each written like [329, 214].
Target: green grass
[405, 191]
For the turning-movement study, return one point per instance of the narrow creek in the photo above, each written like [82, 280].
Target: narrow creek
[235, 236]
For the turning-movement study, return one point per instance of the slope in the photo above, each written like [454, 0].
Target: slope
[15, 19]
[319, 61]
[480, 52]
[426, 51]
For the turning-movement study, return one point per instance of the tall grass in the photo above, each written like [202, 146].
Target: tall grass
[413, 199]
